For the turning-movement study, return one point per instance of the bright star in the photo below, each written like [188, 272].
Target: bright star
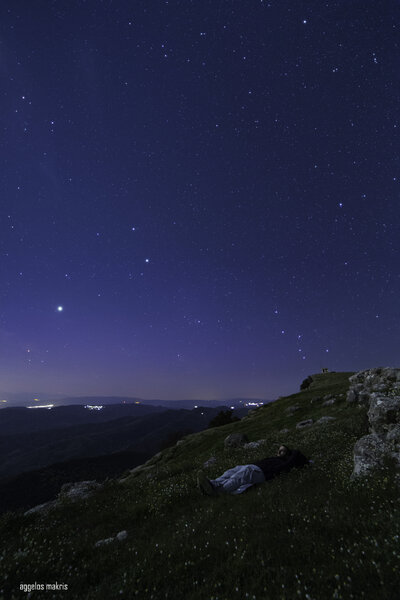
[60, 308]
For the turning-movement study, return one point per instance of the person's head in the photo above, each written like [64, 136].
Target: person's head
[283, 451]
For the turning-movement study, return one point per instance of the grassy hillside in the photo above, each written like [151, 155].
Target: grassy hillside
[309, 534]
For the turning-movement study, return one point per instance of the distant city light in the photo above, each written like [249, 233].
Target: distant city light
[93, 407]
[41, 406]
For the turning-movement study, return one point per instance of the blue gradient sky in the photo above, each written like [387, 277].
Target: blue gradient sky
[210, 191]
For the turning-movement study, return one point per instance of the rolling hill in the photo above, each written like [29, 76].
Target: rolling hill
[313, 533]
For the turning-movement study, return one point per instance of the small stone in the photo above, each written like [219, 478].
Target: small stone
[306, 423]
[104, 542]
[122, 535]
[329, 402]
[251, 446]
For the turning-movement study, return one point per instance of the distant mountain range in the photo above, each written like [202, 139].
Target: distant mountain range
[25, 399]
[30, 439]
[97, 438]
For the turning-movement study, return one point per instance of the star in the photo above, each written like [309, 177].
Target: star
[60, 308]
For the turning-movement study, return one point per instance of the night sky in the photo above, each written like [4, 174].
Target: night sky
[199, 199]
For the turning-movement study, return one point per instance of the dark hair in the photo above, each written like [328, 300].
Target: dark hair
[288, 450]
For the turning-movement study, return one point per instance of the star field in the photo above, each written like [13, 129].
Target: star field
[199, 199]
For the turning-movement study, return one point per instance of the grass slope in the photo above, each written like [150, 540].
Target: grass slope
[311, 533]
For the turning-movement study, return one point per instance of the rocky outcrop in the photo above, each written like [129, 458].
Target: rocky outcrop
[79, 489]
[365, 383]
[73, 491]
[379, 389]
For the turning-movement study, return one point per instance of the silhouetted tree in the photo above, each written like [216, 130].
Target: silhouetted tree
[224, 417]
[306, 383]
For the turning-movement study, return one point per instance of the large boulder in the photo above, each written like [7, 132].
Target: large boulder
[73, 491]
[369, 453]
[379, 389]
[235, 440]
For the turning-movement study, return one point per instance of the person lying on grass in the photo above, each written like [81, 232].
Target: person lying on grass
[241, 477]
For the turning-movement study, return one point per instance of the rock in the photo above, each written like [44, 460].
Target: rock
[104, 542]
[72, 490]
[306, 423]
[235, 440]
[383, 413]
[351, 396]
[285, 430]
[379, 389]
[121, 535]
[325, 420]
[292, 409]
[251, 445]
[79, 489]
[382, 379]
[41, 508]
[393, 439]
[369, 452]
[329, 402]
[211, 461]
